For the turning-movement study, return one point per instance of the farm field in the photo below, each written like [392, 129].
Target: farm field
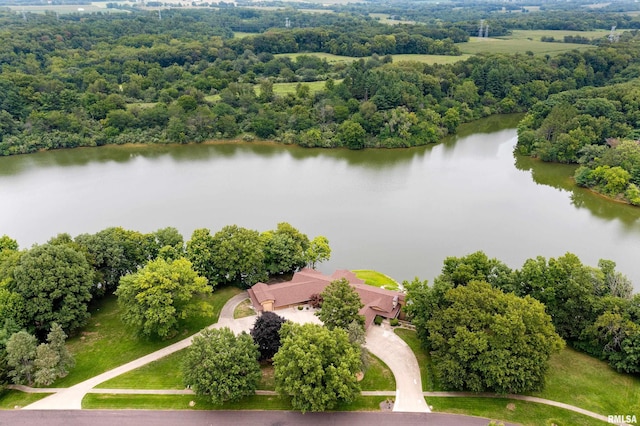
[476, 45]
[428, 59]
[66, 9]
[557, 34]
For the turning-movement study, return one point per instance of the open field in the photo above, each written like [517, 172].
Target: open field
[429, 59]
[104, 343]
[322, 55]
[65, 9]
[557, 34]
[477, 45]
[525, 413]
[240, 34]
[376, 279]
[284, 88]
[384, 18]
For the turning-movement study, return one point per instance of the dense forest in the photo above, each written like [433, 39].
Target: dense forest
[113, 79]
[594, 127]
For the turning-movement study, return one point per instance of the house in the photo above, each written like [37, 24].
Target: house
[307, 282]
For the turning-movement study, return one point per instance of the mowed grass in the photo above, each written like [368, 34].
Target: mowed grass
[573, 378]
[106, 343]
[378, 376]
[285, 88]
[280, 89]
[427, 374]
[427, 59]
[507, 46]
[13, 399]
[510, 410]
[244, 309]
[558, 35]
[430, 59]
[322, 55]
[182, 402]
[376, 279]
[166, 373]
[586, 382]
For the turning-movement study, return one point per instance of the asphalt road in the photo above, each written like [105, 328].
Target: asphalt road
[230, 418]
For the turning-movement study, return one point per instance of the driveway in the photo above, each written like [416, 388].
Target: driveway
[381, 341]
[386, 345]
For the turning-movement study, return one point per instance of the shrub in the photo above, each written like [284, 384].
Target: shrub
[394, 322]
[377, 320]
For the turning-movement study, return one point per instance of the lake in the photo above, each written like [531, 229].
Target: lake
[397, 211]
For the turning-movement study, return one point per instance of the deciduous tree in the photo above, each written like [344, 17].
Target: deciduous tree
[221, 366]
[318, 251]
[485, 340]
[266, 334]
[55, 283]
[316, 367]
[156, 298]
[340, 305]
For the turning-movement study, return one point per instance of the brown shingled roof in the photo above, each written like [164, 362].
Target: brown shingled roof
[376, 301]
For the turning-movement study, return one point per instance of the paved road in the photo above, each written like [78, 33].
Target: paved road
[231, 418]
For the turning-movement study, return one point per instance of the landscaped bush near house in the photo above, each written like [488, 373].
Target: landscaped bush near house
[394, 322]
[377, 320]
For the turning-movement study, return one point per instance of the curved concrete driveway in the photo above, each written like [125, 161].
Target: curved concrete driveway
[71, 398]
[381, 341]
[386, 345]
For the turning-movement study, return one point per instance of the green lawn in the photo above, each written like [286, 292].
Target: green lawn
[586, 382]
[429, 379]
[378, 376]
[495, 45]
[244, 309]
[166, 373]
[105, 343]
[376, 279]
[573, 378]
[525, 413]
[181, 402]
[11, 399]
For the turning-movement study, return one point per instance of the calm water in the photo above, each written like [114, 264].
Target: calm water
[397, 211]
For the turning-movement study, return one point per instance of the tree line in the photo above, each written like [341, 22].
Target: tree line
[594, 127]
[155, 277]
[491, 328]
[116, 80]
